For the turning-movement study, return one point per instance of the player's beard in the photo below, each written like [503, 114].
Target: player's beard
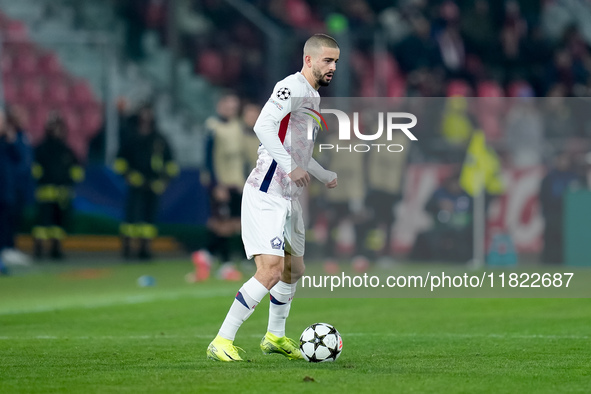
[320, 78]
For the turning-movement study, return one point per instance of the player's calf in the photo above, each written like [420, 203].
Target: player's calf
[269, 269]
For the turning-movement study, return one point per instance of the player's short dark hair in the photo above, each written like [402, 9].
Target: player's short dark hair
[318, 41]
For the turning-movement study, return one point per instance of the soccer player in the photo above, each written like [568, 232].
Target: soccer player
[272, 223]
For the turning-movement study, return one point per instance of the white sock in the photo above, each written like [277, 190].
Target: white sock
[247, 298]
[281, 295]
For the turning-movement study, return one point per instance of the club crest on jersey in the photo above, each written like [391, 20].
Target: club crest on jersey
[276, 243]
[283, 94]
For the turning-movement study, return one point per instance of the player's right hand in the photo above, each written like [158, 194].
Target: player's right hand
[300, 177]
[332, 184]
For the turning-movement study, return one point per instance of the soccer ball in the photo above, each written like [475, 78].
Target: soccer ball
[321, 342]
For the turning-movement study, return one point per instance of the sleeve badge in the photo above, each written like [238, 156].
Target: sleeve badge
[283, 93]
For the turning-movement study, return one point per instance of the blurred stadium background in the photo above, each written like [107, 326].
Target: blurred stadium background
[97, 64]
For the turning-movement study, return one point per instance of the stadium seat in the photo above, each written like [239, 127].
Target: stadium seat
[10, 86]
[298, 13]
[4, 20]
[37, 119]
[16, 48]
[24, 114]
[232, 67]
[49, 64]
[91, 119]
[387, 67]
[37, 81]
[458, 87]
[519, 89]
[72, 119]
[31, 91]
[367, 86]
[359, 63]
[489, 89]
[16, 30]
[211, 65]
[57, 91]
[6, 62]
[81, 93]
[78, 143]
[397, 87]
[25, 62]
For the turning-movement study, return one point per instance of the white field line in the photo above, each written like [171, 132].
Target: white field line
[354, 334]
[125, 300]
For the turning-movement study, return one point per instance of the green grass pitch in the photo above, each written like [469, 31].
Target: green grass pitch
[66, 329]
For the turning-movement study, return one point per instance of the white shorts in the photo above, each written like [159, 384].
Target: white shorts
[271, 224]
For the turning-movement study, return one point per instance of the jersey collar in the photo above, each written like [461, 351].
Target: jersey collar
[305, 79]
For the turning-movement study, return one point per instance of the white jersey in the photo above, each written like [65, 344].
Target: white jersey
[282, 128]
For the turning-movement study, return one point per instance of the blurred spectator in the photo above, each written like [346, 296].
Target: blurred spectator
[514, 20]
[478, 28]
[394, 23]
[291, 13]
[133, 12]
[346, 203]
[474, 40]
[490, 107]
[97, 145]
[219, 12]
[211, 65]
[554, 186]
[450, 40]
[147, 164]
[385, 171]
[9, 153]
[457, 125]
[556, 16]
[190, 21]
[418, 50]
[536, 51]
[56, 169]
[566, 71]
[577, 47]
[23, 185]
[450, 239]
[360, 15]
[426, 83]
[524, 130]
[558, 119]
[225, 175]
[512, 37]
[250, 114]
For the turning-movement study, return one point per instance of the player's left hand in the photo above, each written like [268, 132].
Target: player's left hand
[332, 184]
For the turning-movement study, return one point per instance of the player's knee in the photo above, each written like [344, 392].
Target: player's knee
[271, 272]
[272, 275]
[297, 270]
[275, 277]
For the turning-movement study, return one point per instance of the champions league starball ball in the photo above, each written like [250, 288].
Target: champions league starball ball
[321, 342]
